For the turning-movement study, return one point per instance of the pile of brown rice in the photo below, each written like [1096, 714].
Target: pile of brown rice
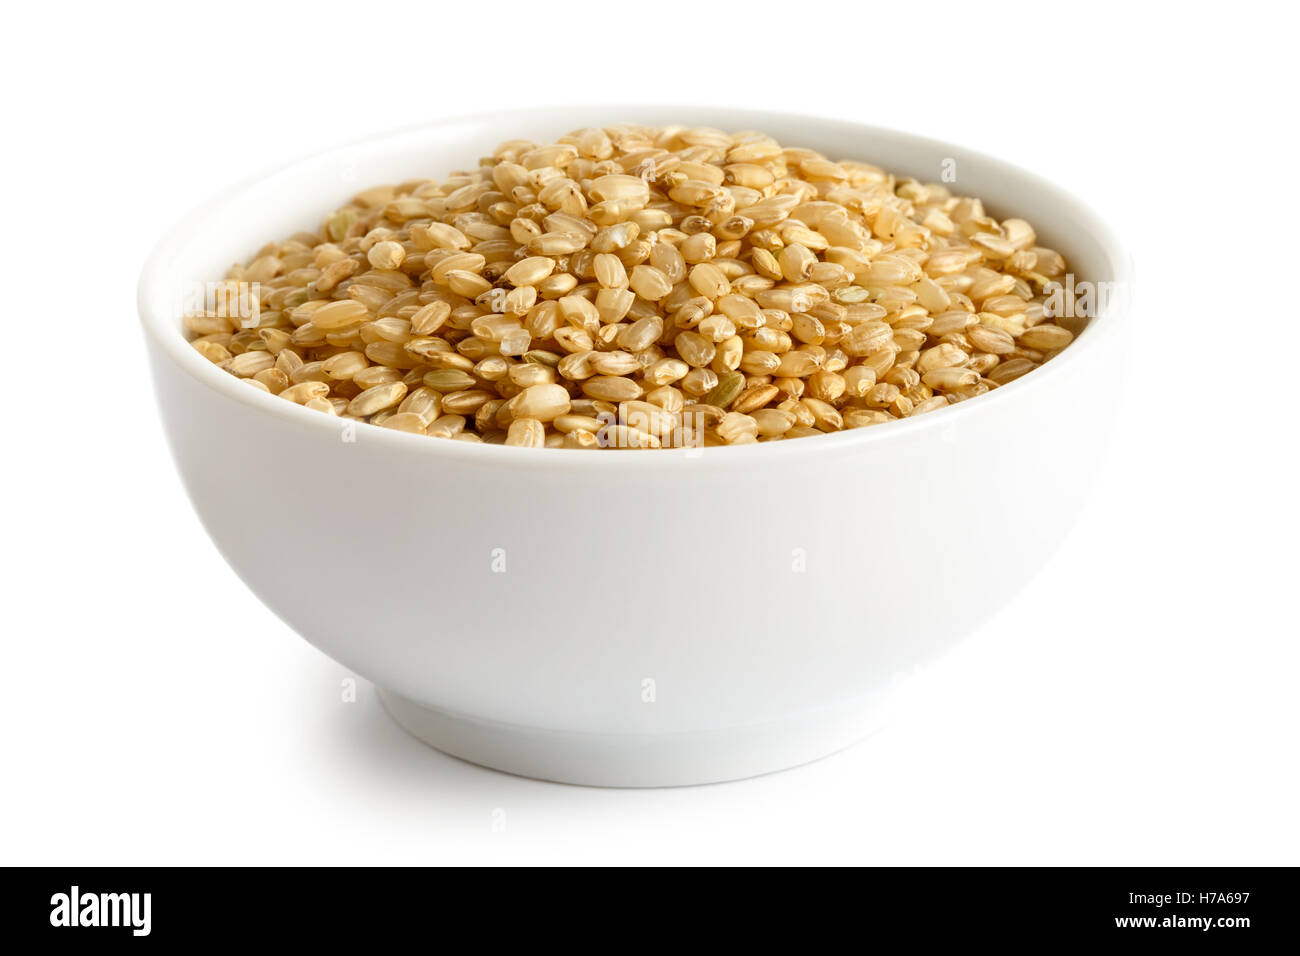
[645, 288]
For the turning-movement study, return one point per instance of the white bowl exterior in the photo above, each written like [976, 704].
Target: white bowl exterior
[751, 585]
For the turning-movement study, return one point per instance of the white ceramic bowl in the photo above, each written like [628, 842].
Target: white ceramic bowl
[631, 618]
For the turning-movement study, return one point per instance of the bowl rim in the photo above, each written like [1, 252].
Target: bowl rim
[165, 333]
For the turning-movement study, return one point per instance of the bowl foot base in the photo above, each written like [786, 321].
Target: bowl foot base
[637, 759]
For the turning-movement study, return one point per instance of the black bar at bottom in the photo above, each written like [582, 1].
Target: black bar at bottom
[1231, 907]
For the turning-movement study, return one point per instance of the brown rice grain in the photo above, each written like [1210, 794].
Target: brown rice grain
[630, 271]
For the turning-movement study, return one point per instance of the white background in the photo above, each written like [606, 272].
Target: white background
[1137, 704]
